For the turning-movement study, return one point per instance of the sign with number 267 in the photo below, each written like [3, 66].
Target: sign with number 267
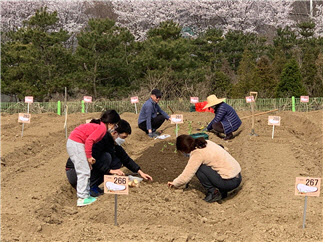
[307, 186]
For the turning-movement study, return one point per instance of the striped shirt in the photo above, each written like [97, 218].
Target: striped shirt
[228, 117]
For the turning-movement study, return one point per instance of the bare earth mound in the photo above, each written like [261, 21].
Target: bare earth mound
[38, 204]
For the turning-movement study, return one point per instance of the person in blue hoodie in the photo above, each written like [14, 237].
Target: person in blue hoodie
[151, 116]
[226, 119]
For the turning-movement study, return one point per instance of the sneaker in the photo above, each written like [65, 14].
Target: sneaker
[157, 132]
[114, 187]
[95, 191]
[213, 197]
[85, 201]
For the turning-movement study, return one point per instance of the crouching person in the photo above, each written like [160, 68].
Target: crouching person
[215, 168]
[110, 157]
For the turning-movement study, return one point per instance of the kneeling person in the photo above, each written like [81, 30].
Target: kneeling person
[110, 157]
[215, 168]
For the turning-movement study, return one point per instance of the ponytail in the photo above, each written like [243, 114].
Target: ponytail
[108, 117]
[200, 142]
[186, 143]
[95, 121]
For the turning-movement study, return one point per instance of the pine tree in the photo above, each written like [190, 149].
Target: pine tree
[35, 61]
[291, 81]
[265, 82]
[245, 75]
[104, 55]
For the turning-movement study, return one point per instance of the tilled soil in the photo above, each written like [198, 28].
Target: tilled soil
[38, 204]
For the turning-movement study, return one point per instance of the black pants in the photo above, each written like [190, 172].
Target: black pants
[210, 179]
[100, 168]
[218, 127]
[155, 123]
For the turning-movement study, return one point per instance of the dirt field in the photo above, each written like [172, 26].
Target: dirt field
[38, 204]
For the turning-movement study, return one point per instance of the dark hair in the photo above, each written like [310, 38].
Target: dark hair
[215, 107]
[123, 127]
[187, 144]
[157, 93]
[108, 117]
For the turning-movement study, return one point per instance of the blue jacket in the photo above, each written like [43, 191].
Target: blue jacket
[150, 110]
[228, 117]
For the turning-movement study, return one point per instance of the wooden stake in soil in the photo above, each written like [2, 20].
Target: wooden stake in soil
[246, 117]
[274, 120]
[65, 112]
[135, 100]
[177, 119]
[252, 110]
[28, 100]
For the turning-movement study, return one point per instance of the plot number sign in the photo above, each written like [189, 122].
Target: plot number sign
[88, 99]
[134, 99]
[29, 99]
[115, 184]
[304, 99]
[177, 118]
[194, 100]
[274, 120]
[307, 186]
[24, 118]
[250, 99]
[118, 185]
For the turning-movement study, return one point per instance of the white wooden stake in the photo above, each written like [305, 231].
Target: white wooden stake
[135, 105]
[273, 132]
[22, 130]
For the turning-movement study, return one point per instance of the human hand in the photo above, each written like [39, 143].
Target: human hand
[170, 184]
[91, 160]
[116, 172]
[145, 176]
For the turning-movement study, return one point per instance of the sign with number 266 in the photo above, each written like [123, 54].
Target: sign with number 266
[115, 184]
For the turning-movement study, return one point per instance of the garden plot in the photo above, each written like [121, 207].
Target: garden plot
[38, 204]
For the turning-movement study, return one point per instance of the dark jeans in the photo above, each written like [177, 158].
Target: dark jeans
[218, 127]
[155, 123]
[210, 179]
[100, 168]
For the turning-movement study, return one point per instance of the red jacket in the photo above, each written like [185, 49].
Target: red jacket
[88, 134]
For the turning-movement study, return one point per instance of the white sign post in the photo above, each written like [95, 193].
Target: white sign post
[177, 119]
[135, 100]
[115, 184]
[28, 100]
[304, 99]
[307, 186]
[251, 99]
[87, 99]
[274, 120]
